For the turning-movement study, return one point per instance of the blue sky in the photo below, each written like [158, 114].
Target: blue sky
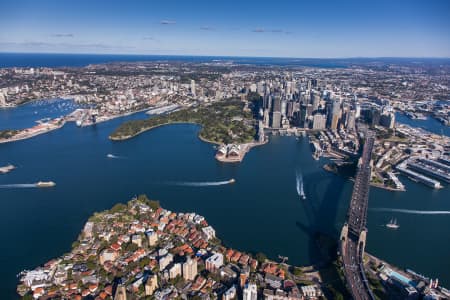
[340, 28]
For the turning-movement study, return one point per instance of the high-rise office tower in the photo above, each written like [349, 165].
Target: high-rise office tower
[319, 121]
[276, 120]
[335, 114]
[283, 108]
[276, 101]
[351, 120]
[302, 116]
[315, 100]
[193, 88]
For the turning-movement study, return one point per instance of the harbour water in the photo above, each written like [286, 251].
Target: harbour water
[430, 124]
[261, 211]
[25, 116]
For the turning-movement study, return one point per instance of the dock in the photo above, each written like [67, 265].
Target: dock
[418, 177]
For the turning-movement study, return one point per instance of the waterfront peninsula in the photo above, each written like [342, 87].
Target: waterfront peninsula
[12, 135]
[229, 124]
[140, 250]
[225, 122]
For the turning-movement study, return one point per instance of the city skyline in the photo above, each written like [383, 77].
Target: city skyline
[316, 30]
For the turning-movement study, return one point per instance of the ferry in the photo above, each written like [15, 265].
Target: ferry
[6, 169]
[392, 224]
[45, 184]
[232, 180]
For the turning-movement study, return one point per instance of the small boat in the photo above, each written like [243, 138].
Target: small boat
[299, 186]
[109, 155]
[45, 184]
[392, 224]
[232, 180]
[6, 169]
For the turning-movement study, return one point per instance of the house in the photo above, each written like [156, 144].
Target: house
[273, 281]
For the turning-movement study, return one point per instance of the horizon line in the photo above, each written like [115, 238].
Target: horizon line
[229, 56]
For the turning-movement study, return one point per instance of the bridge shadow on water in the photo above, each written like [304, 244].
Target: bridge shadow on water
[323, 228]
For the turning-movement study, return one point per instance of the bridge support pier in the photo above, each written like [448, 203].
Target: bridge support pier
[362, 241]
[344, 233]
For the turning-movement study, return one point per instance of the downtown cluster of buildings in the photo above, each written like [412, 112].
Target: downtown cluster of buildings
[307, 104]
[140, 250]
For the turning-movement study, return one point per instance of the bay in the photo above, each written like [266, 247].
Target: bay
[260, 212]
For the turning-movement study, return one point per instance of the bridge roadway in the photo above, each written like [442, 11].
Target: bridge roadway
[354, 232]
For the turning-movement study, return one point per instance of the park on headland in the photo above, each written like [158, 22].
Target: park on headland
[228, 124]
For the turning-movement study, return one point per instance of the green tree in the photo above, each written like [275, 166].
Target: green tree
[261, 257]
[119, 207]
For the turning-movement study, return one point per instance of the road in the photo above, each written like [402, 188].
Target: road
[352, 248]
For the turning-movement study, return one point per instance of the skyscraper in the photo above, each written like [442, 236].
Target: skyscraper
[276, 119]
[351, 120]
[315, 100]
[387, 120]
[319, 122]
[193, 88]
[335, 114]
[276, 113]
[276, 103]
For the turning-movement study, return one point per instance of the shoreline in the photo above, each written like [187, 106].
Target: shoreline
[248, 146]
[31, 135]
[116, 116]
[309, 274]
[127, 137]
[387, 188]
[329, 169]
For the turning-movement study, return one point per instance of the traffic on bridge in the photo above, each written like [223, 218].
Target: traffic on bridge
[354, 232]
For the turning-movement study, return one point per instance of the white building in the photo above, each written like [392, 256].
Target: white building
[175, 271]
[152, 238]
[190, 269]
[230, 293]
[214, 262]
[209, 232]
[165, 261]
[250, 292]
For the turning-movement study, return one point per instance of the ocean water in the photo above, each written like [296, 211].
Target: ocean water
[80, 60]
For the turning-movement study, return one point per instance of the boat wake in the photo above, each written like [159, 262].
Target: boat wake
[109, 155]
[18, 186]
[200, 184]
[414, 212]
[299, 185]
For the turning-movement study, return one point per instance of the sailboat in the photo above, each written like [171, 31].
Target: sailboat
[392, 224]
